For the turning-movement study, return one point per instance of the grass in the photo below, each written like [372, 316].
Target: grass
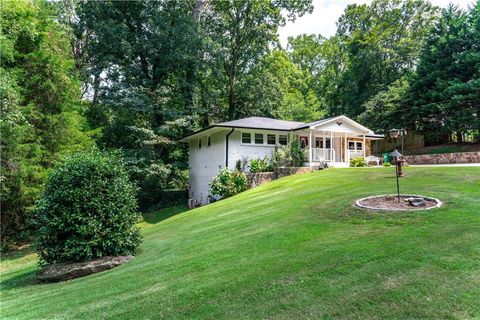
[294, 248]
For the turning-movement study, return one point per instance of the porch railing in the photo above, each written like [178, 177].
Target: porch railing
[352, 154]
[321, 154]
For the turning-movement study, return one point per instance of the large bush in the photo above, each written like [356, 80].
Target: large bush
[88, 210]
[227, 183]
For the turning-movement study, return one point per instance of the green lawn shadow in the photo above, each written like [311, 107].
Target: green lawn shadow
[156, 216]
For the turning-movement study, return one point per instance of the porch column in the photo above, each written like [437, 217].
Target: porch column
[331, 146]
[345, 159]
[363, 146]
[310, 146]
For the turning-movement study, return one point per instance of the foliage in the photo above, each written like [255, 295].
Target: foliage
[387, 164]
[291, 155]
[41, 111]
[261, 165]
[381, 42]
[241, 164]
[444, 94]
[88, 210]
[227, 183]
[358, 162]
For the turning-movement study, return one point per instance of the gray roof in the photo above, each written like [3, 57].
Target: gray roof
[261, 123]
[265, 124]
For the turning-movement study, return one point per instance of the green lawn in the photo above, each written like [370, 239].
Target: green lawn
[294, 248]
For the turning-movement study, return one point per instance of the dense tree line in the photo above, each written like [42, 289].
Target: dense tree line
[137, 75]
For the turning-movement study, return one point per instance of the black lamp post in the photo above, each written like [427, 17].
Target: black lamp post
[398, 168]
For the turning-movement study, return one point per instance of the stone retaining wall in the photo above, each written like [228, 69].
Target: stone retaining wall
[444, 158]
[256, 179]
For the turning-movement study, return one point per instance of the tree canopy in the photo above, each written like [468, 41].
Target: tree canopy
[138, 75]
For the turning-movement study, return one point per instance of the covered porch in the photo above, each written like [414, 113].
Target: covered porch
[336, 142]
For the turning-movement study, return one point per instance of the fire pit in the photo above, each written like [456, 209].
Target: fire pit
[392, 203]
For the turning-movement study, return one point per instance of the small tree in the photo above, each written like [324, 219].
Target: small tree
[88, 210]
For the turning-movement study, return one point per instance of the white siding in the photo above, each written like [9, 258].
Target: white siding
[344, 127]
[205, 163]
[237, 150]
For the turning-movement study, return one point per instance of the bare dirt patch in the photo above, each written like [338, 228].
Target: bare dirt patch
[393, 202]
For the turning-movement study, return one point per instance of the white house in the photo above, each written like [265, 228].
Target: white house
[335, 140]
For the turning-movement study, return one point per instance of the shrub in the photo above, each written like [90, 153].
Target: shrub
[358, 162]
[261, 165]
[291, 155]
[387, 164]
[88, 210]
[227, 183]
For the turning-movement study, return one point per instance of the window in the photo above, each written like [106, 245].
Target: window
[246, 137]
[319, 142]
[359, 146]
[303, 142]
[328, 144]
[258, 138]
[271, 139]
[200, 143]
[351, 145]
[209, 142]
[282, 139]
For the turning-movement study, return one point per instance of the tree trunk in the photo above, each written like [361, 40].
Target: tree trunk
[231, 97]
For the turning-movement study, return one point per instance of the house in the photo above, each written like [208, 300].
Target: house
[335, 140]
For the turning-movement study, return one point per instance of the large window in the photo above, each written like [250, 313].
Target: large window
[246, 137]
[359, 145]
[282, 139]
[271, 139]
[351, 145]
[258, 138]
[319, 142]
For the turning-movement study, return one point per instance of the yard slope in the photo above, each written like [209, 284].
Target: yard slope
[294, 248]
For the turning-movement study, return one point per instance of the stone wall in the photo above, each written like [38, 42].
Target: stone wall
[256, 179]
[287, 171]
[444, 158]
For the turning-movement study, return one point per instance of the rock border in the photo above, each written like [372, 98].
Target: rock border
[361, 206]
[71, 270]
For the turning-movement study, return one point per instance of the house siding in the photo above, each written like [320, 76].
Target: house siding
[237, 150]
[205, 163]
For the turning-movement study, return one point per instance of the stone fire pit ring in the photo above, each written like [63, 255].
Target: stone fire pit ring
[389, 202]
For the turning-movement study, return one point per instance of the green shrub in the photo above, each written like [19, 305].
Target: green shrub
[88, 210]
[261, 165]
[387, 164]
[291, 155]
[227, 183]
[358, 162]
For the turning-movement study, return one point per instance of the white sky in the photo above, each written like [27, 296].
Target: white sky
[326, 13]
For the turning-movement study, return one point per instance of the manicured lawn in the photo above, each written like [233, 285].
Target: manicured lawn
[295, 248]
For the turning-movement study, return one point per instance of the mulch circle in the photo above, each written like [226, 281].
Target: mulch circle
[391, 203]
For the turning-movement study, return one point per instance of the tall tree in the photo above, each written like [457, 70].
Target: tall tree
[243, 31]
[444, 96]
[382, 42]
[41, 111]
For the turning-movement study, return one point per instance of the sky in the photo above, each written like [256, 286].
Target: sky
[326, 13]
